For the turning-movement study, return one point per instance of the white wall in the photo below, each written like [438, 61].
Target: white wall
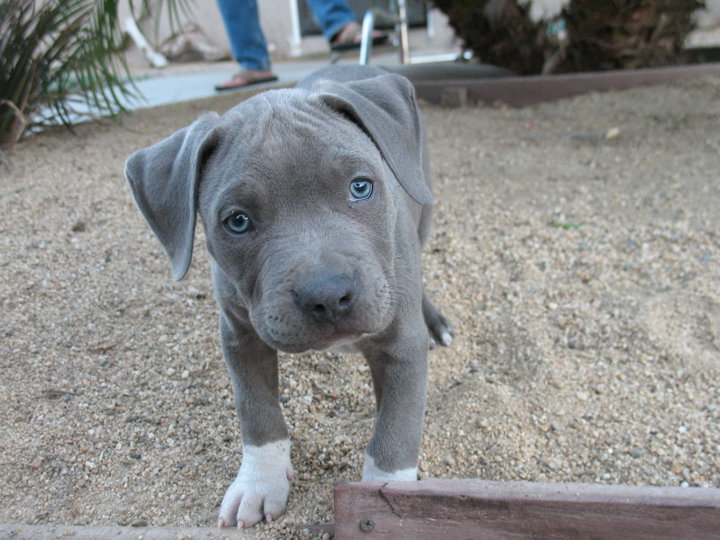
[276, 22]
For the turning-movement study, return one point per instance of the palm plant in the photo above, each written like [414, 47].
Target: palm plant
[597, 34]
[59, 54]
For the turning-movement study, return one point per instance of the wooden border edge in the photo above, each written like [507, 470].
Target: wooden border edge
[520, 91]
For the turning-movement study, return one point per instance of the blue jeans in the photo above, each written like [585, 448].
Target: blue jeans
[333, 15]
[247, 41]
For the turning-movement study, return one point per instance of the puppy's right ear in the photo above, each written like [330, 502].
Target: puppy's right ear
[164, 181]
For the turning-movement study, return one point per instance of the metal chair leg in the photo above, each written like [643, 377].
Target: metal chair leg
[368, 25]
[404, 39]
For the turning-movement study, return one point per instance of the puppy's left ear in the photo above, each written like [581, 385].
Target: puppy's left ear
[385, 108]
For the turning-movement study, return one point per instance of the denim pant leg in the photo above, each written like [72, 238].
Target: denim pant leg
[247, 41]
[333, 15]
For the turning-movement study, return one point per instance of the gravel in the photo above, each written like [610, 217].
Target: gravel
[576, 249]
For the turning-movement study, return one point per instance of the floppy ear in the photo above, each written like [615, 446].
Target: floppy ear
[385, 108]
[164, 181]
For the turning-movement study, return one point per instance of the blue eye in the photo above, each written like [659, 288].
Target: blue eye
[238, 223]
[361, 189]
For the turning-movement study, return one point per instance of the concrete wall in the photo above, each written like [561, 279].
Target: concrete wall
[281, 32]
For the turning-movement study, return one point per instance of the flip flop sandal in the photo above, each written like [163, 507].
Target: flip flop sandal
[244, 79]
[349, 38]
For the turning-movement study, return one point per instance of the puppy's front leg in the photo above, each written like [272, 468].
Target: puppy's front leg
[263, 481]
[400, 380]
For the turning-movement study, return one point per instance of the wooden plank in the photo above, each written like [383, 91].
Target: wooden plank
[116, 532]
[533, 89]
[21, 531]
[454, 509]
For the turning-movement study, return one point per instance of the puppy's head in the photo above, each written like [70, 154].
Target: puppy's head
[299, 198]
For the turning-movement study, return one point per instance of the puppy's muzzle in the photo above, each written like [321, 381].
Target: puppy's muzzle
[327, 299]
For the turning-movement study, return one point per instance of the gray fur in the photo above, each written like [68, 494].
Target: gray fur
[319, 269]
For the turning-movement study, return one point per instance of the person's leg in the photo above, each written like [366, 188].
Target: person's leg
[247, 41]
[333, 16]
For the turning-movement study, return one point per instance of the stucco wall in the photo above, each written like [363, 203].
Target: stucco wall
[277, 24]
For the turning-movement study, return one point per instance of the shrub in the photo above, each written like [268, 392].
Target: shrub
[596, 34]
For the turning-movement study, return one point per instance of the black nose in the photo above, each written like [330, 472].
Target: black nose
[327, 299]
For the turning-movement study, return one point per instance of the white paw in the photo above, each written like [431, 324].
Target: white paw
[261, 487]
[446, 339]
[372, 473]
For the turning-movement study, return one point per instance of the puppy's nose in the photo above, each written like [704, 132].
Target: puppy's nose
[327, 299]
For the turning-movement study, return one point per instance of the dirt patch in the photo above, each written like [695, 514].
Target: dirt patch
[576, 249]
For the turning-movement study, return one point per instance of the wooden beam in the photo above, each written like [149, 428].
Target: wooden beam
[453, 509]
[532, 89]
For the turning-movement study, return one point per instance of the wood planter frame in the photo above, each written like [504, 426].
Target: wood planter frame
[462, 509]
[519, 91]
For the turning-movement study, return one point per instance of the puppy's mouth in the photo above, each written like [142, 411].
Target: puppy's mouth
[294, 329]
[333, 340]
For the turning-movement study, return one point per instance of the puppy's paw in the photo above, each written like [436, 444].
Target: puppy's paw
[440, 329]
[261, 487]
[373, 473]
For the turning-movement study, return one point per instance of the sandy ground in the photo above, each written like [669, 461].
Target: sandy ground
[581, 272]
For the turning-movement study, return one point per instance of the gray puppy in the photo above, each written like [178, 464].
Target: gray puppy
[315, 203]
